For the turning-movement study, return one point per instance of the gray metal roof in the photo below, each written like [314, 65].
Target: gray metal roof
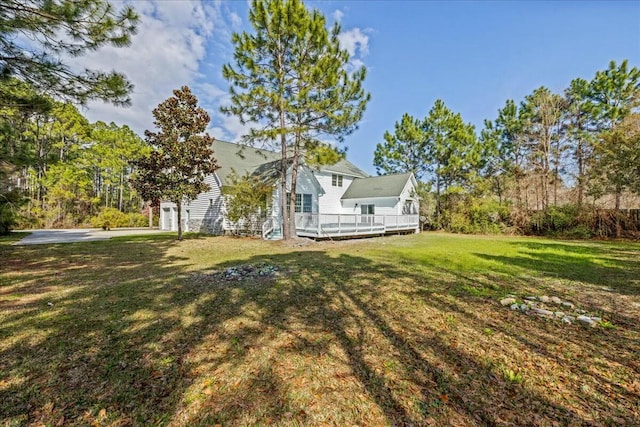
[249, 160]
[377, 186]
[345, 167]
[239, 158]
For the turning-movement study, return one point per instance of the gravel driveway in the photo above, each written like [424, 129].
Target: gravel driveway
[40, 237]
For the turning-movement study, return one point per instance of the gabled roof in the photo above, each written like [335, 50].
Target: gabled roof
[345, 167]
[256, 161]
[377, 186]
[270, 171]
[239, 158]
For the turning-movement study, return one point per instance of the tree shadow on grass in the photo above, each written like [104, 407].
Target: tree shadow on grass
[618, 269]
[333, 339]
[342, 296]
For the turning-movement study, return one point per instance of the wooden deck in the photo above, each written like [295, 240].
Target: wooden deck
[321, 226]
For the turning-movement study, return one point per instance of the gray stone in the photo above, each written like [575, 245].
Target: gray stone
[556, 300]
[568, 304]
[587, 321]
[524, 307]
[507, 301]
[510, 296]
[531, 298]
[542, 312]
[515, 306]
[596, 319]
[567, 320]
[559, 314]
[572, 318]
[544, 298]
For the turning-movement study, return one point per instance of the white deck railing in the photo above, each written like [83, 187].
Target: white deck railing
[352, 224]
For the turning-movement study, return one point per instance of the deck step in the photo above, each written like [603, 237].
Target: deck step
[274, 235]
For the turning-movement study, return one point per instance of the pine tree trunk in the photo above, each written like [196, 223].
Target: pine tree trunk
[438, 206]
[294, 182]
[579, 156]
[121, 190]
[286, 231]
[518, 190]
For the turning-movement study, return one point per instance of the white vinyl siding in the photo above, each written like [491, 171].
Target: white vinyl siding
[383, 205]
[305, 187]
[207, 210]
[330, 201]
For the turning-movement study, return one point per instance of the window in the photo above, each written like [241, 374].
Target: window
[298, 202]
[306, 203]
[336, 180]
[303, 202]
[367, 209]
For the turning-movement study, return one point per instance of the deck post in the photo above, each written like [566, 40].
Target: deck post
[356, 218]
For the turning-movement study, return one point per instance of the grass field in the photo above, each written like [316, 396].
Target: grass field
[386, 331]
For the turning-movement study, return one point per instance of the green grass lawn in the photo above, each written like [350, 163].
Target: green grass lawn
[385, 331]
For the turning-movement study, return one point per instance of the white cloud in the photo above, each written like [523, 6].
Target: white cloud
[355, 64]
[166, 53]
[236, 21]
[209, 93]
[337, 15]
[184, 43]
[228, 128]
[355, 41]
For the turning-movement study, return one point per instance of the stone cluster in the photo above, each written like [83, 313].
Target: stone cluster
[551, 307]
[248, 270]
[240, 272]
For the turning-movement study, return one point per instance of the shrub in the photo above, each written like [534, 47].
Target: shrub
[563, 221]
[111, 217]
[107, 218]
[478, 216]
[580, 231]
[7, 219]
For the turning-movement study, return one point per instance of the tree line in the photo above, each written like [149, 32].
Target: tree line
[64, 169]
[55, 167]
[290, 80]
[542, 163]
[549, 159]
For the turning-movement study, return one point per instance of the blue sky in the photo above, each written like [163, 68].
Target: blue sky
[472, 55]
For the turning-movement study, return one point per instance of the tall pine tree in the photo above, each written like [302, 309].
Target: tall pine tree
[405, 150]
[290, 82]
[36, 35]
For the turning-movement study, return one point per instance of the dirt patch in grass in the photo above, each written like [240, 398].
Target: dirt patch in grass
[400, 331]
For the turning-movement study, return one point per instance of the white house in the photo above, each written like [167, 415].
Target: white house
[337, 200]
